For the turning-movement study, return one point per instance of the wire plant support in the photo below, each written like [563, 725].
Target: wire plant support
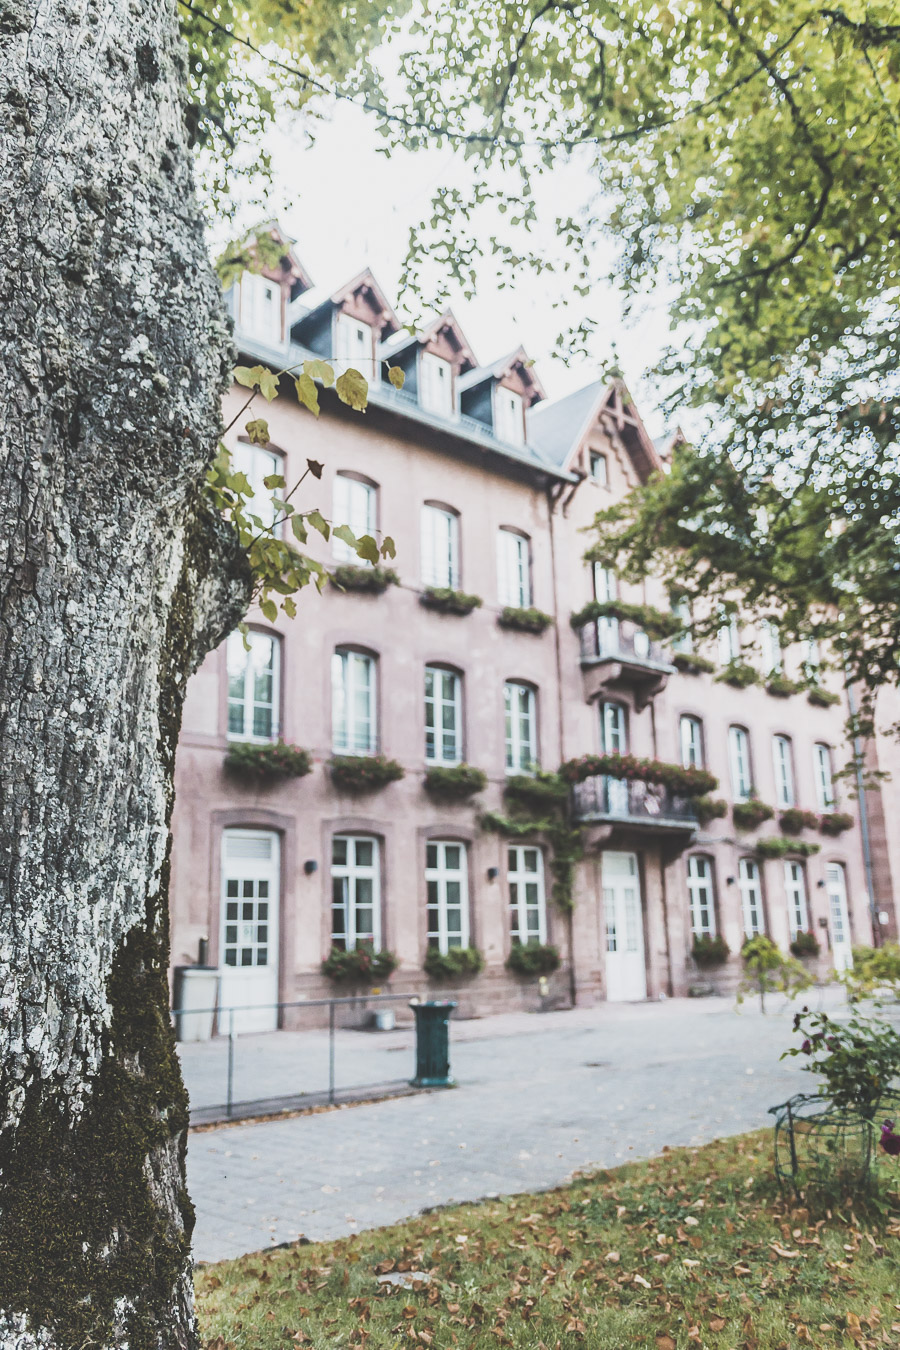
[823, 1146]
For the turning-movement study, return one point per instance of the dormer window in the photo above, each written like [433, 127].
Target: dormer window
[436, 385]
[353, 346]
[260, 308]
[509, 416]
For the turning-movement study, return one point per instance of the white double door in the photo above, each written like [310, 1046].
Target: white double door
[626, 974]
[248, 932]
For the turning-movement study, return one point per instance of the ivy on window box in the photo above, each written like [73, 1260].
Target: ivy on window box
[779, 686]
[538, 791]
[267, 762]
[710, 808]
[793, 820]
[805, 944]
[533, 958]
[363, 773]
[779, 847]
[750, 815]
[524, 620]
[369, 580]
[835, 822]
[822, 698]
[691, 664]
[446, 601]
[453, 964]
[710, 951]
[738, 674]
[656, 623]
[691, 782]
[362, 965]
[455, 782]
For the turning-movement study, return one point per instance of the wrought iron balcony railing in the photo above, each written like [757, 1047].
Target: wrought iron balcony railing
[633, 802]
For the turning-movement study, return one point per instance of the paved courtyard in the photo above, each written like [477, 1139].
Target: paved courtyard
[540, 1096]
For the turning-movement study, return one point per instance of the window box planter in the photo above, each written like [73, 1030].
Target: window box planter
[710, 951]
[268, 762]
[835, 822]
[689, 664]
[537, 792]
[524, 620]
[363, 773]
[367, 580]
[794, 821]
[822, 698]
[454, 783]
[805, 944]
[779, 686]
[750, 815]
[451, 965]
[778, 847]
[710, 808]
[533, 958]
[681, 782]
[654, 622]
[360, 966]
[738, 674]
[445, 601]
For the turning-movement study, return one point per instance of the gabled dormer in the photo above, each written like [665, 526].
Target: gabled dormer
[500, 395]
[346, 326]
[432, 361]
[582, 431]
[259, 300]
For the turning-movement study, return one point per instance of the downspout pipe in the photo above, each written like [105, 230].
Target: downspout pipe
[552, 500]
[864, 821]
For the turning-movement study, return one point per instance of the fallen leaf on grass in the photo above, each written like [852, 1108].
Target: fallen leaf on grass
[665, 1343]
[717, 1324]
[782, 1251]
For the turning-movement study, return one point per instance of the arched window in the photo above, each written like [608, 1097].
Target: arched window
[440, 547]
[354, 505]
[784, 770]
[254, 678]
[353, 702]
[513, 569]
[613, 729]
[823, 776]
[355, 892]
[795, 890]
[257, 464]
[739, 763]
[527, 904]
[751, 897]
[447, 890]
[691, 729]
[443, 716]
[520, 709]
[701, 896]
[729, 641]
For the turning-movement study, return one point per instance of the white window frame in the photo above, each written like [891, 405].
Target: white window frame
[783, 762]
[691, 738]
[520, 718]
[439, 535]
[261, 308]
[750, 887]
[513, 569]
[729, 641]
[597, 458]
[684, 642]
[250, 877]
[436, 704]
[509, 415]
[440, 876]
[527, 898]
[244, 665]
[613, 728]
[354, 345]
[436, 385]
[606, 583]
[823, 774]
[354, 503]
[740, 764]
[838, 906]
[350, 874]
[701, 895]
[797, 899]
[352, 673]
[257, 463]
[773, 657]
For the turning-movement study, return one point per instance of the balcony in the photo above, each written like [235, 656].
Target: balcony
[646, 807]
[616, 655]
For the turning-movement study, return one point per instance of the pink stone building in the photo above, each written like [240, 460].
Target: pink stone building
[486, 488]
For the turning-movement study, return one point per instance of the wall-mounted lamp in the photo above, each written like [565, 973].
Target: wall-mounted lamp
[823, 923]
[729, 881]
[310, 866]
[821, 885]
[493, 873]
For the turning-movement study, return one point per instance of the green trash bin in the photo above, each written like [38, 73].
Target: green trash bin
[432, 1043]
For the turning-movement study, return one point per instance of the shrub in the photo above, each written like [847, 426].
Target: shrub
[363, 773]
[685, 782]
[267, 762]
[767, 969]
[858, 1060]
[738, 674]
[691, 664]
[793, 820]
[710, 808]
[835, 822]
[524, 620]
[656, 623]
[370, 580]
[362, 965]
[776, 847]
[805, 944]
[533, 958]
[455, 783]
[822, 698]
[750, 815]
[781, 687]
[446, 601]
[458, 961]
[540, 790]
[875, 971]
[710, 951]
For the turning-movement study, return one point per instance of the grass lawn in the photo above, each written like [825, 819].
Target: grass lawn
[692, 1249]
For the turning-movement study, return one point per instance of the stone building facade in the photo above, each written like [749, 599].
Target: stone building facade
[487, 489]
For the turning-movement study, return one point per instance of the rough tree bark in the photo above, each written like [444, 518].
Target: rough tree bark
[114, 581]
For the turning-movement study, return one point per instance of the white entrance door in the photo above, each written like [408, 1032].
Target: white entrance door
[836, 882]
[626, 976]
[248, 935]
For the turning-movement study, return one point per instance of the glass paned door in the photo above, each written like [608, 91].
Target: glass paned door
[248, 934]
[836, 886]
[626, 976]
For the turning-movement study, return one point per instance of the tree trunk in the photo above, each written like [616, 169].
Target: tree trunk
[114, 581]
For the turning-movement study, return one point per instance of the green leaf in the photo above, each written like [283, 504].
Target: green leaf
[246, 375]
[353, 389]
[268, 384]
[300, 531]
[269, 609]
[387, 548]
[290, 607]
[319, 370]
[367, 548]
[258, 377]
[258, 431]
[396, 376]
[273, 480]
[344, 532]
[307, 393]
[318, 522]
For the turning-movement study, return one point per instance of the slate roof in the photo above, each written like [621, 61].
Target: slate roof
[555, 428]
